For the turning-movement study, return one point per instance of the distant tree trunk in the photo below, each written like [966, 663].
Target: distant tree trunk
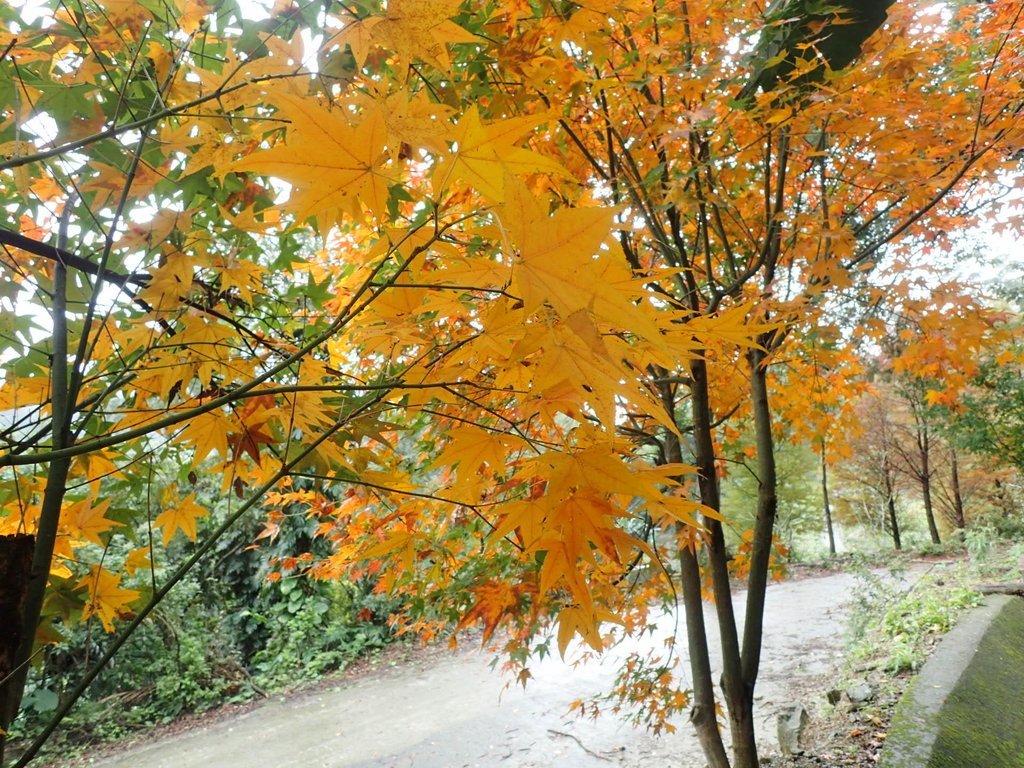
[890, 502]
[958, 499]
[1005, 500]
[828, 507]
[924, 450]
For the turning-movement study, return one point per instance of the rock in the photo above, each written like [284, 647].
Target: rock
[792, 721]
[859, 693]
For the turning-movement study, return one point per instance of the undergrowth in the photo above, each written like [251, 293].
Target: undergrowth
[894, 625]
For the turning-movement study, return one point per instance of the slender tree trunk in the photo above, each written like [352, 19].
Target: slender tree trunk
[53, 497]
[737, 701]
[924, 449]
[958, 499]
[703, 712]
[890, 502]
[828, 507]
[1005, 500]
[764, 525]
[15, 566]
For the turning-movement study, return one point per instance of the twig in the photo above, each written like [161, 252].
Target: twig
[582, 745]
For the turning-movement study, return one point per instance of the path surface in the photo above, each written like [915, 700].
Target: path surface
[459, 714]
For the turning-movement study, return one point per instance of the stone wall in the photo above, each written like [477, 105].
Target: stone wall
[966, 707]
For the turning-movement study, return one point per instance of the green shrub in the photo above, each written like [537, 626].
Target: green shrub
[317, 628]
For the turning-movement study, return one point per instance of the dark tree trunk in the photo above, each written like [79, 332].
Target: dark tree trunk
[737, 701]
[61, 407]
[15, 567]
[828, 507]
[958, 499]
[703, 711]
[890, 502]
[924, 449]
[764, 525]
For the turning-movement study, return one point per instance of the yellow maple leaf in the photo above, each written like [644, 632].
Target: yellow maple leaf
[241, 274]
[94, 466]
[169, 280]
[23, 392]
[556, 262]
[85, 519]
[415, 120]
[574, 620]
[209, 433]
[137, 558]
[331, 164]
[470, 447]
[420, 29]
[181, 517]
[128, 14]
[487, 155]
[359, 37]
[107, 599]
[193, 12]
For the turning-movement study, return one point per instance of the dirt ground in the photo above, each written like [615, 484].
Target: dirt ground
[432, 709]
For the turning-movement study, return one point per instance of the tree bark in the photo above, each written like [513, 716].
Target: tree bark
[890, 502]
[828, 506]
[924, 450]
[737, 701]
[703, 713]
[958, 499]
[15, 566]
[53, 495]
[764, 525]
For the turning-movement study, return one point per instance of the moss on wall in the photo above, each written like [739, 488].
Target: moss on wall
[981, 724]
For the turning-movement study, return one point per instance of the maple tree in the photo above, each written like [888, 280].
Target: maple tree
[505, 272]
[988, 415]
[935, 349]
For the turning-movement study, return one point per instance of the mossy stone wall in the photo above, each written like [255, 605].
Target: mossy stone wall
[966, 708]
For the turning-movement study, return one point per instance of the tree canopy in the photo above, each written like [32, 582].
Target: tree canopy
[480, 287]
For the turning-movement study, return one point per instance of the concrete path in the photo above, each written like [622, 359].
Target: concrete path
[459, 713]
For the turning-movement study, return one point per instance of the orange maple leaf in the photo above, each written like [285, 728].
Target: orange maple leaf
[333, 165]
